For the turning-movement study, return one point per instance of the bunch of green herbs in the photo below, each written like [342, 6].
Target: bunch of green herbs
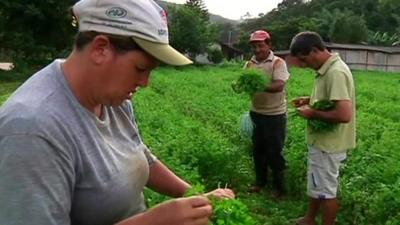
[225, 211]
[322, 126]
[250, 82]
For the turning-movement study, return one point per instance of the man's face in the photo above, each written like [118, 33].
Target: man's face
[124, 74]
[309, 60]
[260, 49]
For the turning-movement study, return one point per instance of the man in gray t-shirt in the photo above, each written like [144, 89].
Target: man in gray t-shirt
[70, 150]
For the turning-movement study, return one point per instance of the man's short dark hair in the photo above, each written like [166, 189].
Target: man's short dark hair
[121, 44]
[303, 43]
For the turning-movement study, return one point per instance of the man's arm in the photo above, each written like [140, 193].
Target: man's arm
[164, 181]
[275, 86]
[280, 75]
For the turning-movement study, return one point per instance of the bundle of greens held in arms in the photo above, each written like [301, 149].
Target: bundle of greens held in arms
[225, 211]
[322, 126]
[250, 82]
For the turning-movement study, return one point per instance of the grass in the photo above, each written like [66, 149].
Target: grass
[189, 118]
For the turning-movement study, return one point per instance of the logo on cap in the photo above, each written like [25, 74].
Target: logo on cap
[116, 12]
[163, 15]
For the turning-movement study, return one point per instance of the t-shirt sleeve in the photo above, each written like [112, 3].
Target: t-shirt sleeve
[338, 86]
[36, 182]
[280, 71]
[149, 156]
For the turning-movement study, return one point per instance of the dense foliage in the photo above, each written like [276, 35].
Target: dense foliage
[189, 118]
[35, 30]
[341, 21]
[40, 30]
[191, 31]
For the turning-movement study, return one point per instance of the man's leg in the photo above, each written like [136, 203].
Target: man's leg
[313, 208]
[323, 184]
[259, 153]
[277, 162]
[330, 211]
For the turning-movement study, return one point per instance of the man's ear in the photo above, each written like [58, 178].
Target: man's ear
[314, 50]
[100, 49]
[293, 61]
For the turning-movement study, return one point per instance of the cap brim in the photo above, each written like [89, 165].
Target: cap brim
[163, 52]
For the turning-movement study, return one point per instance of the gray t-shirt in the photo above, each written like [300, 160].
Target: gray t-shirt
[60, 164]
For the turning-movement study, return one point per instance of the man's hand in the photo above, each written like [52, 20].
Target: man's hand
[300, 101]
[195, 210]
[275, 86]
[221, 193]
[306, 111]
[341, 113]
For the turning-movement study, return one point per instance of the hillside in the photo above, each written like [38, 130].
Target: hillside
[213, 17]
[222, 20]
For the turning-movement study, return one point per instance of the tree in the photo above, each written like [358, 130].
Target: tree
[343, 21]
[286, 4]
[227, 33]
[348, 28]
[189, 32]
[215, 55]
[198, 6]
[35, 30]
[383, 38]
[246, 16]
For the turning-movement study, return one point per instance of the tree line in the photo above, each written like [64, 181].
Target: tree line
[41, 29]
[374, 22]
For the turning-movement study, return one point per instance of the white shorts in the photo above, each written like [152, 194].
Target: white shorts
[323, 173]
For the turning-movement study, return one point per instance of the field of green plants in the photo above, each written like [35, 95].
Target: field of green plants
[189, 117]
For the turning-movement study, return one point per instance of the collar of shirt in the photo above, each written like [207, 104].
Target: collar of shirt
[268, 59]
[327, 64]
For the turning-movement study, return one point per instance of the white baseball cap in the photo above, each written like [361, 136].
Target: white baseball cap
[143, 20]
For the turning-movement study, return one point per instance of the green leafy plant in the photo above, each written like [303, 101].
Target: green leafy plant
[370, 184]
[230, 212]
[215, 55]
[225, 211]
[250, 82]
[318, 125]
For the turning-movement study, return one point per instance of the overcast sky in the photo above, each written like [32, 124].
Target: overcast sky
[234, 9]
